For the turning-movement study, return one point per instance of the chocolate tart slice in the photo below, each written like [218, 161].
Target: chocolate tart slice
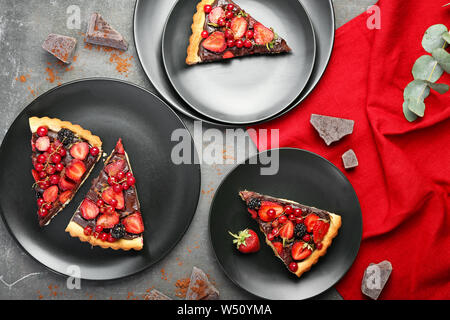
[110, 215]
[298, 234]
[63, 155]
[222, 30]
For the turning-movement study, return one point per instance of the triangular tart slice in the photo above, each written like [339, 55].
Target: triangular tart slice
[110, 215]
[221, 30]
[298, 234]
[63, 155]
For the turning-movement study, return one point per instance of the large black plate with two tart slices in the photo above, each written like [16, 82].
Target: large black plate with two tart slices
[249, 89]
[149, 22]
[168, 193]
[303, 177]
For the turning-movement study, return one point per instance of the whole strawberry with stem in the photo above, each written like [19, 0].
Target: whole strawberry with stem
[247, 241]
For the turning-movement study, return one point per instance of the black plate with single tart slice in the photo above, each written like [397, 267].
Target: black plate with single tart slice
[302, 177]
[248, 89]
[168, 193]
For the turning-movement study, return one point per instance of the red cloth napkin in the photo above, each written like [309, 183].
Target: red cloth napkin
[403, 178]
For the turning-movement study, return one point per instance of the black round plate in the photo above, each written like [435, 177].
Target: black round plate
[168, 193]
[303, 177]
[243, 90]
[149, 20]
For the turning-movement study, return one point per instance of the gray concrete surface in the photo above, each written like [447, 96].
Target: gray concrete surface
[23, 27]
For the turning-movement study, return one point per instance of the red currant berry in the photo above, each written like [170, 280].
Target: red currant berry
[229, 14]
[110, 210]
[282, 219]
[43, 212]
[249, 34]
[271, 213]
[56, 158]
[306, 238]
[275, 231]
[221, 22]
[228, 25]
[319, 246]
[207, 8]
[270, 237]
[117, 188]
[42, 131]
[100, 203]
[113, 203]
[42, 174]
[291, 217]
[48, 206]
[112, 181]
[288, 210]
[103, 236]
[62, 152]
[205, 34]
[299, 220]
[293, 266]
[42, 158]
[59, 167]
[94, 151]
[239, 43]
[51, 170]
[298, 212]
[131, 181]
[54, 179]
[248, 44]
[275, 223]
[88, 230]
[120, 175]
[98, 228]
[230, 43]
[40, 202]
[230, 7]
[39, 166]
[229, 34]
[129, 174]
[125, 186]
[96, 234]
[51, 149]
[111, 239]
[102, 209]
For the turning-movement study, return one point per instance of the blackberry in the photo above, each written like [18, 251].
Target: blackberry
[254, 204]
[118, 231]
[300, 230]
[66, 136]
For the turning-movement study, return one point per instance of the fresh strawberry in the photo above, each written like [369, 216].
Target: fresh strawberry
[133, 223]
[119, 147]
[35, 175]
[278, 246]
[65, 184]
[310, 220]
[51, 194]
[246, 241]
[253, 213]
[301, 250]
[43, 143]
[287, 230]
[108, 220]
[266, 206]
[75, 170]
[216, 14]
[215, 42]
[89, 209]
[262, 34]
[239, 27]
[63, 197]
[80, 150]
[113, 168]
[320, 229]
[109, 195]
[228, 55]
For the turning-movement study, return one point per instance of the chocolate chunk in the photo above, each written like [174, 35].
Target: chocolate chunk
[350, 160]
[200, 288]
[375, 278]
[60, 46]
[331, 129]
[156, 295]
[100, 32]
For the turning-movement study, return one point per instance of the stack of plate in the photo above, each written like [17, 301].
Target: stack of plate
[240, 91]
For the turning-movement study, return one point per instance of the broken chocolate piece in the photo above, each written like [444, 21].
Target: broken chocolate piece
[62, 47]
[350, 160]
[375, 278]
[200, 288]
[331, 129]
[156, 295]
[100, 32]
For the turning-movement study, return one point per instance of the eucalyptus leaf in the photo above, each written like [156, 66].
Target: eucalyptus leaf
[410, 116]
[443, 58]
[446, 37]
[416, 90]
[427, 68]
[417, 107]
[439, 87]
[433, 37]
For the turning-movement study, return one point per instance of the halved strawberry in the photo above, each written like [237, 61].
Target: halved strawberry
[75, 170]
[266, 206]
[113, 168]
[108, 220]
[89, 209]
[310, 220]
[109, 195]
[63, 197]
[133, 223]
[228, 55]
[287, 230]
[278, 246]
[239, 27]
[119, 147]
[65, 184]
[215, 14]
[301, 250]
[215, 42]
[43, 143]
[51, 194]
[35, 175]
[80, 150]
[253, 213]
[320, 229]
[262, 35]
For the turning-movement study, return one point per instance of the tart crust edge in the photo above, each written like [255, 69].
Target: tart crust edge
[197, 29]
